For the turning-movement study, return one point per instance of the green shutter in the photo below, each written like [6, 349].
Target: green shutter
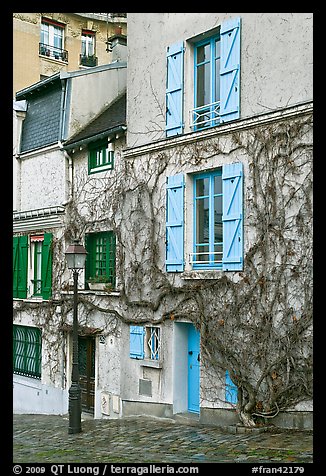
[90, 257]
[47, 266]
[20, 253]
[110, 257]
[15, 265]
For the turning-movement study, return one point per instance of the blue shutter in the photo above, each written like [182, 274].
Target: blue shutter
[231, 390]
[174, 90]
[137, 342]
[230, 70]
[232, 183]
[174, 223]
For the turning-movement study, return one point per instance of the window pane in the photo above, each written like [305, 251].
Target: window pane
[218, 255]
[202, 221]
[203, 85]
[202, 187]
[217, 48]
[218, 234]
[57, 37]
[203, 53]
[202, 253]
[45, 33]
[217, 184]
[217, 79]
[83, 46]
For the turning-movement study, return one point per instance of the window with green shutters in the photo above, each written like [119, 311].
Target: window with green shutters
[27, 351]
[100, 261]
[100, 156]
[40, 284]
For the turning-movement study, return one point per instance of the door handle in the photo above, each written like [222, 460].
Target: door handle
[198, 357]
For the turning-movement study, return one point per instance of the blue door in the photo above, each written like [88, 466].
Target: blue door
[193, 369]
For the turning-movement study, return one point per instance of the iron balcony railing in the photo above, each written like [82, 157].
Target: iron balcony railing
[86, 60]
[205, 116]
[53, 52]
[206, 257]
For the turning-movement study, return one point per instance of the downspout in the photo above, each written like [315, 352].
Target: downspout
[64, 99]
[70, 191]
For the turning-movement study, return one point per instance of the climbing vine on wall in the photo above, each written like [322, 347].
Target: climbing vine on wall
[257, 324]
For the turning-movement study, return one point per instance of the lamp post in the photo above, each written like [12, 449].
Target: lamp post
[75, 257]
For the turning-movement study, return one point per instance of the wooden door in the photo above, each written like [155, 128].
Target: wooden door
[86, 360]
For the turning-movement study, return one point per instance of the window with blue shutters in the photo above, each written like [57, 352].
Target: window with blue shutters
[217, 77]
[145, 342]
[217, 220]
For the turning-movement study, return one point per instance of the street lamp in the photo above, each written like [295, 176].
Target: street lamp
[75, 257]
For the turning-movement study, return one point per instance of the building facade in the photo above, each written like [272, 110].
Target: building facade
[45, 43]
[197, 225]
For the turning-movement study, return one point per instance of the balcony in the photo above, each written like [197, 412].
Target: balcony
[85, 60]
[205, 116]
[53, 52]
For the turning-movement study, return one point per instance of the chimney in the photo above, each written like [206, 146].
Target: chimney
[118, 46]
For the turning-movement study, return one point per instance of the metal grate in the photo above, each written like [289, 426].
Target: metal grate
[27, 352]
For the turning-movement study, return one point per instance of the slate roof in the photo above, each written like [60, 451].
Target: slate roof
[113, 117]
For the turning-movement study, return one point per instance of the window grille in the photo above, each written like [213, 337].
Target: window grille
[27, 351]
[153, 342]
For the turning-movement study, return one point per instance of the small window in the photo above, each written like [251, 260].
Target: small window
[87, 56]
[153, 343]
[100, 261]
[27, 351]
[101, 156]
[145, 342]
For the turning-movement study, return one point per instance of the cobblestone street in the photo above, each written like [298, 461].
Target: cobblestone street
[42, 439]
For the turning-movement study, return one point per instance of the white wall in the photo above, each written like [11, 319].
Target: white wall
[276, 64]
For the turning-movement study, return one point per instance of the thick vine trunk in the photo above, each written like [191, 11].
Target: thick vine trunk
[246, 419]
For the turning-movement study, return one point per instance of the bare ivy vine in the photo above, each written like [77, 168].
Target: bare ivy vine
[257, 324]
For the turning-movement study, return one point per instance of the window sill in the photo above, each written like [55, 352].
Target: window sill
[154, 364]
[202, 274]
[88, 291]
[51, 59]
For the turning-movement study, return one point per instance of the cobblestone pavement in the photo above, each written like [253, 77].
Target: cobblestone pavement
[41, 439]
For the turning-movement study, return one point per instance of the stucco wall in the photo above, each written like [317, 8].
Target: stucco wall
[43, 180]
[276, 64]
[90, 94]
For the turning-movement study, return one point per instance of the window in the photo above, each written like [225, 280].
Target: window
[216, 66]
[100, 157]
[27, 351]
[207, 83]
[145, 342]
[32, 274]
[52, 40]
[153, 343]
[100, 261]
[208, 230]
[87, 57]
[217, 216]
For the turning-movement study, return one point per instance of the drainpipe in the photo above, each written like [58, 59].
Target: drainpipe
[70, 173]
